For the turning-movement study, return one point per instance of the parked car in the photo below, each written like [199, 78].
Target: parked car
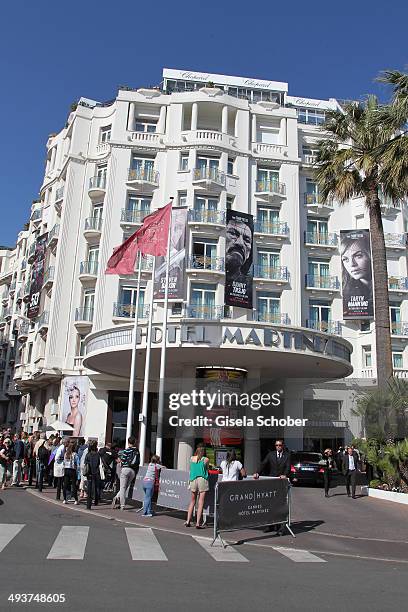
[306, 468]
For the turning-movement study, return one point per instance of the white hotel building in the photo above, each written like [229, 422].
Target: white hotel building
[239, 143]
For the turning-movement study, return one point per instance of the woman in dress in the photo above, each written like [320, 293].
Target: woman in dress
[198, 485]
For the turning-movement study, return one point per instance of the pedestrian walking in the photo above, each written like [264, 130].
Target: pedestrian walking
[43, 455]
[350, 470]
[70, 462]
[5, 462]
[19, 453]
[59, 466]
[232, 469]
[91, 471]
[151, 483]
[329, 467]
[129, 461]
[198, 485]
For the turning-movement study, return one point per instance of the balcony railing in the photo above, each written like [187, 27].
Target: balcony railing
[272, 229]
[279, 273]
[207, 216]
[93, 224]
[31, 252]
[271, 317]
[54, 233]
[398, 283]
[83, 313]
[146, 137]
[399, 328]
[202, 262]
[129, 310]
[134, 216]
[265, 186]
[309, 159]
[329, 327]
[273, 150]
[321, 238]
[211, 313]
[209, 174]
[36, 215]
[89, 267]
[49, 275]
[315, 199]
[43, 319]
[322, 282]
[145, 175]
[59, 194]
[97, 182]
[395, 240]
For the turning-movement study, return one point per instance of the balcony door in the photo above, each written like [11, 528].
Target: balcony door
[142, 168]
[395, 319]
[127, 301]
[208, 167]
[319, 316]
[203, 298]
[268, 261]
[89, 303]
[268, 217]
[268, 177]
[268, 307]
[317, 231]
[204, 253]
[319, 273]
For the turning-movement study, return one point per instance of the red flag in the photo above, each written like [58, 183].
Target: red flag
[122, 260]
[152, 237]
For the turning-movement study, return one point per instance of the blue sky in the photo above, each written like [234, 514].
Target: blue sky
[51, 53]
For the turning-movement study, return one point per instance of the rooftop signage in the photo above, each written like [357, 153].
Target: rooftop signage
[312, 103]
[222, 79]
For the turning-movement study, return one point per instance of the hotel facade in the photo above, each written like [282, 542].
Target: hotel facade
[215, 143]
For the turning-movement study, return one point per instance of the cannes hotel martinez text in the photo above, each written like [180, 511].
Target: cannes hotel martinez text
[215, 143]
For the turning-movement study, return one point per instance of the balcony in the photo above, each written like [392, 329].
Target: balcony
[26, 291]
[23, 266]
[210, 313]
[390, 207]
[270, 190]
[277, 276]
[36, 215]
[53, 236]
[31, 253]
[147, 265]
[102, 148]
[395, 241]
[209, 179]
[270, 233]
[398, 284]
[88, 270]
[215, 218]
[200, 263]
[144, 180]
[43, 322]
[59, 196]
[97, 187]
[212, 138]
[316, 241]
[23, 331]
[7, 314]
[83, 317]
[399, 328]
[328, 327]
[128, 311]
[272, 151]
[309, 160]
[146, 139]
[270, 317]
[315, 204]
[133, 217]
[322, 283]
[48, 278]
[93, 228]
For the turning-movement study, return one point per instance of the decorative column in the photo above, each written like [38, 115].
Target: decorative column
[131, 119]
[224, 120]
[194, 116]
[254, 128]
[161, 125]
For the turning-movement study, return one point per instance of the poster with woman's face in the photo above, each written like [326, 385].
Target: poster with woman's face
[357, 281]
[73, 403]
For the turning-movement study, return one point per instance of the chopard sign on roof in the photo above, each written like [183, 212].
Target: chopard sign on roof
[221, 79]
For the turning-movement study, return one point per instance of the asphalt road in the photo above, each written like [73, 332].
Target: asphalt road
[170, 571]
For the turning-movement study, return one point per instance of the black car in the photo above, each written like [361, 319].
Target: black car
[306, 467]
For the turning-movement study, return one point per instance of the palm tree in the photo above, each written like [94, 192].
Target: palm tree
[365, 156]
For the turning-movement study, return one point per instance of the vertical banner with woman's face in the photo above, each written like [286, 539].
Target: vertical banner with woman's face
[357, 281]
[239, 259]
[73, 403]
[37, 277]
[177, 259]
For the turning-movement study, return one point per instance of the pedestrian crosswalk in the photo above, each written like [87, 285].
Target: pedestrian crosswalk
[70, 542]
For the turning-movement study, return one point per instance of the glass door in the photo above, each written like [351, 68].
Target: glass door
[268, 179]
[319, 275]
[317, 231]
[142, 169]
[268, 264]
[268, 308]
[268, 220]
[395, 319]
[319, 316]
[203, 301]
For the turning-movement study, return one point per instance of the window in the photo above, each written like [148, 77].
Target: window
[367, 360]
[319, 315]
[230, 166]
[88, 303]
[81, 345]
[126, 306]
[312, 192]
[105, 133]
[145, 126]
[141, 168]
[183, 162]
[319, 274]
[182, 198]
[365, 326]
[395, 318]
[138, 207]
[268, 307]
[177, 308]
[230, 202]
[317, 231]
[202, 300]
[267, 218]
[311, 116]
[97, 211]
[204, 253]
[93, 256]
[309, 151]
[30, 352]
[207, 167]
[101, 172]
[268, 178]
[397, 361]
[268, 263]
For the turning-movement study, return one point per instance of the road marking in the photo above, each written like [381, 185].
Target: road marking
[219, 553]
[299, 556]
[7, 533]
[144, 545]
[70, 543]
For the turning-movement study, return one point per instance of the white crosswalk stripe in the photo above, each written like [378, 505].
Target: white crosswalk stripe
[144, 545]
[219, 553]
[70, 543]
[7, 533]
[298, 556]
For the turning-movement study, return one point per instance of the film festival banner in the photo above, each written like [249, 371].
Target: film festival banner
[239, 259]
[252, 503]
[37, 277]
[177, 259]
[73, 403]
[357, 281]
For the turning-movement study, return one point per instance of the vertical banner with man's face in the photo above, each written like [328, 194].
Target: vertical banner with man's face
[37, 277]
[239, 259]
[177, 259]
[357, 281]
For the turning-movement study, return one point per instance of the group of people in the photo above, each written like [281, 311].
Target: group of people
[347, 461]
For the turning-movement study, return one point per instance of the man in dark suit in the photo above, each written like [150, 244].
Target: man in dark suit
[350, 470]
[275, 464]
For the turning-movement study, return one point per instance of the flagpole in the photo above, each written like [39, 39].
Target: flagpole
[143, 424]
[160, 408]
[133, 362]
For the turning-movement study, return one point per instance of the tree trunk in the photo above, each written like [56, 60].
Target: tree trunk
[381, 300]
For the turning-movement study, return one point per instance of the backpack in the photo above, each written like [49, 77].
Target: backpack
[43, 454]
